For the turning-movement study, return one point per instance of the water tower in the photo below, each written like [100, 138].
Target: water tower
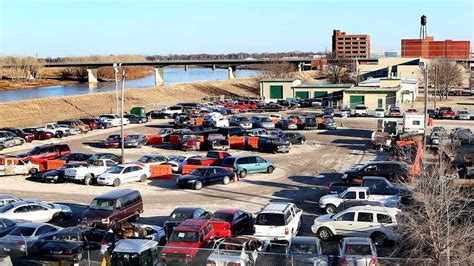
[423, 33]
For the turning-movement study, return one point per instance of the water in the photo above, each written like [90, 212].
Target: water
[172, 75]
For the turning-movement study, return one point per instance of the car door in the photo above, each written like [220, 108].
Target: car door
[212, 176]
[126, 174]
[252, 164]
[21, 213]
[344, 223]
[239, 221]
[370, 170]
[364, 224]
[41, 213]
[262, 164]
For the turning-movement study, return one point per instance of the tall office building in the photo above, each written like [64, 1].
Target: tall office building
[350, 45]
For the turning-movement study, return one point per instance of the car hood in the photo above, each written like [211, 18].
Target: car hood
[189, 177]
[96, 214]
[323, 218]
[329, 197]
[61, 207]
[109, 175]
[181, 247]
[171, 224]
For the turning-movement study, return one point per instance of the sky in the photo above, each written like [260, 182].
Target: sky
[57, 28]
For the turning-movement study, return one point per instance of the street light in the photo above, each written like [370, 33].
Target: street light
[116, 88]
[424, 68]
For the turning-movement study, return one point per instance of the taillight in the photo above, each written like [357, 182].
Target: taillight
[211, 263]
[20, 243]
[373, 261]
[344, 261]
[286, 231]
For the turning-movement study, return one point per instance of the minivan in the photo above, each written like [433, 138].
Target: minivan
[391, 170]
[243, 165]
[113, 207]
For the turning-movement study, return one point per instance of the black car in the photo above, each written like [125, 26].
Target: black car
[293, 138]
[157, 114]
[6, 226]
[105, 155]
[76, 157]
[204, 176]
[181, 214]
[286, 124]
[273, 144]
[431, 113]
[71, 243]
[57, 175]
[135, 119]
[181, 121]
[308, 122]
[392, 170]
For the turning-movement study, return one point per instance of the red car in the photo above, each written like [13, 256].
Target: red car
[91, 122]
[39, 134]
[445, 113]
[113, 141]
[231, 222]
[45, 152]
[28, 137]
[212, 158]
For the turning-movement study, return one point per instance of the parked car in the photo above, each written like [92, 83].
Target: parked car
[75, 157]
[357, 251]
[463, 115]
[135, 252]
[113, 141]
[280, 220]
[113, 207]
[308, 122]
[28, 137]
[181, 121]
[39, 134]
[190, 143]
[6, 199]
[273, 144]
[135, 119]
[328, 123]
[14, 166]
[215, 142]
[135, 141]
[245, 164]
[123, 173]
[70, 244]
[394, 112]
[205, 176]
[93, 123]
[7, 140]
[212, 158]
[431, 113]
[6, 226]
[379, 112]
[345, 112]
[182, 214]
[57, 175]
[177, 162]
[89, 173]
[151, 159]
[445, 113]
[113, 119]
[261, 121]
[286, 124]
[35, 211]
[231, 222]
[215, 120]
[186, 239]
[240, 121]
[306, 250]
[274, 107]
[231, 131]
[364, 221]
[45, 152]
[411, 111]
[329, 111]
[360, 110]
[293, 138]
[392, 170]
[241, 250]
[77, 124]
[24, 238]
[57, 130]
[105, 155]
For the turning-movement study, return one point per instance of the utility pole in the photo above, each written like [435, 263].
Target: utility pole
[121, 116]
[424, 67]
[116, 89]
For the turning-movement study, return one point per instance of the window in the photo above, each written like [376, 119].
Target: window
[350, 195]
[361, 195]
[127, 170]
[23, 209]
[206, 230]
[348, 216]
[251, 160]
[260, 160]
[242, 161]
[416, 122]
[384, 219]
[365, 217]
[370, 168]
[109, 163]
[45, 229]
[37, 208]
[198, 213]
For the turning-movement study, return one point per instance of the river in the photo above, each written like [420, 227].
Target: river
[172, 75]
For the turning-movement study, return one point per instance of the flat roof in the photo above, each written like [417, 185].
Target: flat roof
[372, 89]
[324, 86]
[277, 80]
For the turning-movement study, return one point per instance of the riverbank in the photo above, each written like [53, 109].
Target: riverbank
[37, 112]
[6, 84]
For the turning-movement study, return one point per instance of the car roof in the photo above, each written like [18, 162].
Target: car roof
[389, 210]
[276, 207]
[186, 209]
[357, 240]
[192, 224]
[114, 194]
[134, 245]
[31, 225]
[7, 196]
[304, 240]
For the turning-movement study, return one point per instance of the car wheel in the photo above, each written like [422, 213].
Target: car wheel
[116, 182]
[226, 180]
[136, 217]
[379, 239]
[330, 209]
[87, 179]
[102, 127]
[143, 178]
[243, 173]
[59, 134]
[270, 169]
[198, 185]
[58, 217]
[140, 121]
[324, 233]
[33, 171]
[302, 141]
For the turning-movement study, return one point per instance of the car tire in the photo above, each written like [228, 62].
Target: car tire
[379, 239]
[270, 169]
[324, 233]
[143, 178]
[243, 173]
[57, 217]
[330, 209]
[59, 134]
[140, 121]
[102, 127]
[226, 180]
[33, 171]
[87, 179]
[136, 217]
[197, 185]
[116, 182]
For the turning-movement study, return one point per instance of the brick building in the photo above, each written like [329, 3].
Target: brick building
[350, 45]
[429, 48]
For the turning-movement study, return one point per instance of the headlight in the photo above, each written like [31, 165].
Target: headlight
[105, 220]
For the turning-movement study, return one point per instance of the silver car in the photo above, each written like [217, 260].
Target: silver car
[23, 238]
[262, 121]
[306, 250]
[357, 251]
[240, 250]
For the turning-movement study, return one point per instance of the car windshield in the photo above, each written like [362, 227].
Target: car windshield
[226, 217]
[230, 248]
[116, 169]
[180, 216]
[198, 172]
[133, 137]
[144, 159]
[297, 248]
[6, 207]
[270, 219]
[123, 259]
[360, 108]
[102, 204]
[379, 110]
[23, 231]
[35, 150]
[164, 131]
[360, 249]
[178, 236]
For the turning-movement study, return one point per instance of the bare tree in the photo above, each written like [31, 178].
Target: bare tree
[338, 71]
[444, 75]
[277, 70]
[438, 225]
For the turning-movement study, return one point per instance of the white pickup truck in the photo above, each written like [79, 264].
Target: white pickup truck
[332, 201]
[216, 120]
[278, 220]
[57, 130]
[114, 120]
[88, 173]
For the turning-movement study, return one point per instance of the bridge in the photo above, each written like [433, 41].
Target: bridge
[159, 65]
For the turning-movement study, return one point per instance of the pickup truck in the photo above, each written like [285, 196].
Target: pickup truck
[376, 185]
[57, 130]
[212, 158]
[330, 202]
[45, 152]
[446, 112]
[215, 120]
[88, 173]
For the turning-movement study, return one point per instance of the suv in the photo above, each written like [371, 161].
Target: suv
[45, 152]
[248, 164]
[278, 220]
[186, 239]
[364, 221]
[113, 207]
[273, 144]
[360, 110]
[391, 170]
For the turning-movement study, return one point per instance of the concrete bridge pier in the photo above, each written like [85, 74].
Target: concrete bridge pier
[213, 67]
[231, 72]
[92, 75]
[159, 77]
[186, 68]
